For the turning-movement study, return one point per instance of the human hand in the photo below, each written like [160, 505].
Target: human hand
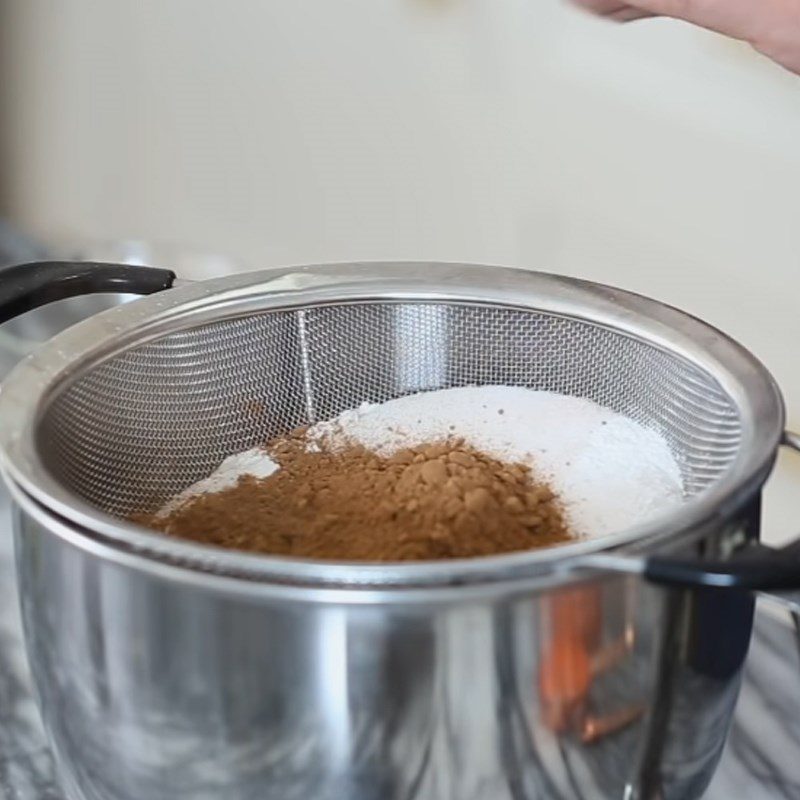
[771, 26]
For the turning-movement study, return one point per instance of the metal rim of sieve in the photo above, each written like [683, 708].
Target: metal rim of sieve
[36, 381]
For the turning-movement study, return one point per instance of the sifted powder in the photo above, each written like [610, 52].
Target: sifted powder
[430, 502]
[607, 471]
[256, 463]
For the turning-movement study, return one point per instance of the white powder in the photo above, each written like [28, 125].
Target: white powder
[609, 471]
[253, 462]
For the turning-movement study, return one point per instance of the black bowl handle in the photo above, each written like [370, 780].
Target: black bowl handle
[754, 568]
[24, 287]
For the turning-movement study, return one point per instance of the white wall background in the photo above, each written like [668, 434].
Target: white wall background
[652, 156]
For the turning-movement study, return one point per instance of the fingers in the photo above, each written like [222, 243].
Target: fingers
[741, 19]
[604, 8]
[751, 20]
[629, 14]
[614, 9]
[771, 26]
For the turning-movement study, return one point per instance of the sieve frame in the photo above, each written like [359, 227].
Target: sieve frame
[30, 388]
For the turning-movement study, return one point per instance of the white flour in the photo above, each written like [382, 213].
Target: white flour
[609, 472]
[253, 462]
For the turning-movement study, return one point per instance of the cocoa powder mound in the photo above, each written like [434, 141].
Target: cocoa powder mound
[439, 501]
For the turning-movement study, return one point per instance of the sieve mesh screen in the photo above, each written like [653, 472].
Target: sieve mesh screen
[136, 429]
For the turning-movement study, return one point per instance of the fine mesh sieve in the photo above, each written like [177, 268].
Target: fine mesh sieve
[173, 390]
[140, 427]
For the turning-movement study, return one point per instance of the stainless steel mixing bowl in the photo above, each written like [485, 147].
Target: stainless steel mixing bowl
[605, 668]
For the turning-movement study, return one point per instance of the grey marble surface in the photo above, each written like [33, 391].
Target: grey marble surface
[761, 760]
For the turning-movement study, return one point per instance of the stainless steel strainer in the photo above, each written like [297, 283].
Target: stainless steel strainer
[170, 670]
[141, 426]
[127, 409]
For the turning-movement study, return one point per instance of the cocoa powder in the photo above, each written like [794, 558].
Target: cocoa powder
[443, 500]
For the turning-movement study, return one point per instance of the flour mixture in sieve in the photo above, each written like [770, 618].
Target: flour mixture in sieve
[451, 473]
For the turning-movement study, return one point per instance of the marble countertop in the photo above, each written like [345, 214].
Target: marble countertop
[760, 761]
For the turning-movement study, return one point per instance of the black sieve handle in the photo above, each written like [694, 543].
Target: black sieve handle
[24, 287]
[756, 568]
